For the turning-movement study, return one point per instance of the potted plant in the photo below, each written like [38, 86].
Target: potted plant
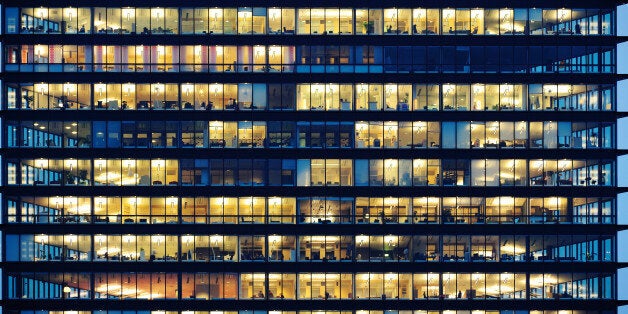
[403, 102]
[447, 215]
[84, 141]
[70, 178]
[367, 27]
[28, 100]
[82, 177]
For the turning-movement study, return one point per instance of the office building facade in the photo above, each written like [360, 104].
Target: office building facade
[271, 158]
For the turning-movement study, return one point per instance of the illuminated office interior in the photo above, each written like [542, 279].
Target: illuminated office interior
[310, 158]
